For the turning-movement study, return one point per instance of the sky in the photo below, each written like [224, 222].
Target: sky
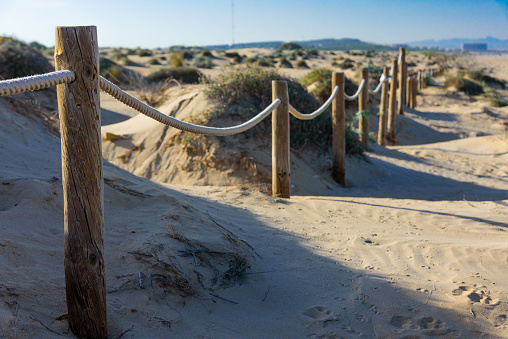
[159, 23]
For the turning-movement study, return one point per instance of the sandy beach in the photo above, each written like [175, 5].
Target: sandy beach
[415, 245]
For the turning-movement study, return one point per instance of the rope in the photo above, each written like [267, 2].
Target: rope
[318, 112]
[35, 82]
[151, 112]
[382, 79]
[355, 96]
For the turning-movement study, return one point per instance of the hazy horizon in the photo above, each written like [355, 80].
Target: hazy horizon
[201, 23]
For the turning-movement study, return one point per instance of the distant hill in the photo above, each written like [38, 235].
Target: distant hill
[322, 44]
[492, 43]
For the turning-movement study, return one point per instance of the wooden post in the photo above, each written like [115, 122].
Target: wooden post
[383, 112]
[393, 103]
[339, 130]
[363, 110]
[76, 49]
[408, 91]
[415, 91]
[403, 81]
[280, 142]
[419, 77]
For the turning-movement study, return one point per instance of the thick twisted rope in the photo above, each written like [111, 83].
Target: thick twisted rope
[35, 82]
[151, 112]
[382, 80]
[317, 112]
[355, 96]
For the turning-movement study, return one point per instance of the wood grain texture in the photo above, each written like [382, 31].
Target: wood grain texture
[76, 48]
[339, 130]
[281, 174]
[402, 81]
[393, 104]
[363, 105]
[383, 111]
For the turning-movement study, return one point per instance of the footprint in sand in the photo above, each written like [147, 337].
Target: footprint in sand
[476, 294]
[321, 313]
[424, 325]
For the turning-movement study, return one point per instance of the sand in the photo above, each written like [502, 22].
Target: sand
[415, 246]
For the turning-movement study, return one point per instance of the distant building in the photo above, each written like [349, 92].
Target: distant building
[475, 46]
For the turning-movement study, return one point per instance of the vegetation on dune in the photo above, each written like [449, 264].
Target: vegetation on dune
[483, 78]
[186, 75]
[153, 61]
[344, 64]
[244, 92]
[289, 46]
[111, 70]
[17, 59]
[464, 85]
[321, 79]
[202, 62]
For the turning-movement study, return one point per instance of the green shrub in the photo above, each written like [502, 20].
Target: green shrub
[202, 62]
[244, 92]
[484, 78]
[206, 53]
[184, 75]
[464, 85]
[495, 99]
[322, 80]
[265, 62]
[345, 64]
[144, 52]
[111, 70]
[313, 52]
[186, 55]
[284, 63]
[289, 46]
[17, 59]
[37, 46]
[232, 55]
[153, 61]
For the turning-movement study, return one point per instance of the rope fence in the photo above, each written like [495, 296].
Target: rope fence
[79, 111]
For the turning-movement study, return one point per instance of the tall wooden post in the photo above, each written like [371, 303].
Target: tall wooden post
[403, 81]
[393, 103]
[76, 49]
[409, 93]
[339, 130]
[383, 112]
[420, 80]
[280, 142]
[415, 91]
[363, 108]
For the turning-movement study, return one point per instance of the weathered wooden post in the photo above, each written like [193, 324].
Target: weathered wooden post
[363, 110]
[339, 130]
[393, 103]
[281, 185]
[415, 91]
[383, 111]
[409, 92]
[402, 82]
[76, 48]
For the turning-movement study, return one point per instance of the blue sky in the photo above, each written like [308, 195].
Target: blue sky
[151, 24]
